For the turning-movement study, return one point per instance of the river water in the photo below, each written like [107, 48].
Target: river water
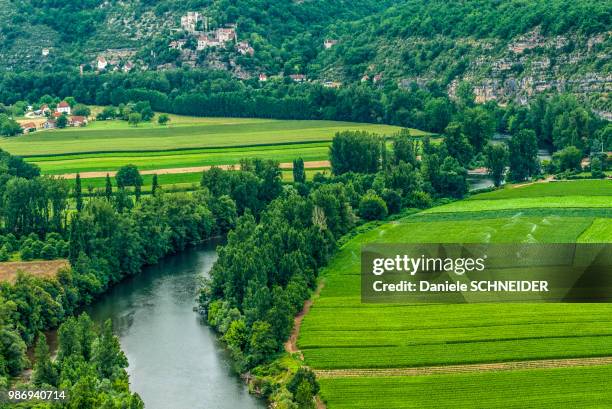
[176, 362]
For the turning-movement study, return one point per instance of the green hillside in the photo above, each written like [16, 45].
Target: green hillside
[507, 50]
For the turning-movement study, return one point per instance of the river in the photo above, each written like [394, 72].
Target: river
[176, 362]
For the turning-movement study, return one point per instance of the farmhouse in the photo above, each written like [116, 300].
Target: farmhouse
[63, 108]
[263, 77]
[28, 127]
[77, 121]
[50, 124]
[45, 52]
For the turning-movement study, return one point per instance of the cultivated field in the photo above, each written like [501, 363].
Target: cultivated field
[341, 333]
[186, 142]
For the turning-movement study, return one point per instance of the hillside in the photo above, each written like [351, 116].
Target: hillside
[506, 50]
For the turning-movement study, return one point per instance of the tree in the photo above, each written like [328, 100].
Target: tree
[299, 175]
[154, 184]
[372, 207]
[4, 254]
[453, 178]
[568, 158]
[438, 112]
[478, 125]
[465, 94]
[44, 372]
[597, 169]
[62, 121]
[109, 188]
[78, 194]
[48, 252]
[457, 144]
[355, 151]
[163, 119]
[404, 148]
[303, 374]
[128, 175]
[496, 160]
[262, 343]
[81, 110]
[134, 119]
[393, 200]
[26, 253]
[107, 355]
[523, 155]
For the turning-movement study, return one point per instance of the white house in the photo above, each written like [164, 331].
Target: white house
[63, 108]
[102, 63]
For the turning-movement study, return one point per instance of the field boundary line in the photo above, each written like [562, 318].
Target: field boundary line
[468, 368]
[193, 169]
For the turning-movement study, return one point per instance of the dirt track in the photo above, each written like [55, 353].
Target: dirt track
[194, 169]
[455, 369]
[291, 344]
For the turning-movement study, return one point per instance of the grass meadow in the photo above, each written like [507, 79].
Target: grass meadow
[342, 333]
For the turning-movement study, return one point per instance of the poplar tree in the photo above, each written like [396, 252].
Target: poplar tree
[78, 194]
[44, 372]
[299, 176]
[154, 184]
[109, 188]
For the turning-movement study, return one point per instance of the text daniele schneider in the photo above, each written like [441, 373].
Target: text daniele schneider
[422, 265]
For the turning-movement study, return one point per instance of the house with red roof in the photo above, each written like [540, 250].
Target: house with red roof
[63, 108]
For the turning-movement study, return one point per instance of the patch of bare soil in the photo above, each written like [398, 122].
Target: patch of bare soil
[46, 268]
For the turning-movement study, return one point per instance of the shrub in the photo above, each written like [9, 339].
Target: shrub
[26, 253]
[372, 207]
[393, 201]
[48, 252]
[4, 254]
[36, 247]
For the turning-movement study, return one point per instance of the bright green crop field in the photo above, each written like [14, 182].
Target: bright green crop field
[342, 333]
[58, 165]
[540, 388]
[183, 132]
[186, 142]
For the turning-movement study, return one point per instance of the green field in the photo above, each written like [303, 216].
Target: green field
[186, 142]
[542, 388]
[341, 332]
[63, 164]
